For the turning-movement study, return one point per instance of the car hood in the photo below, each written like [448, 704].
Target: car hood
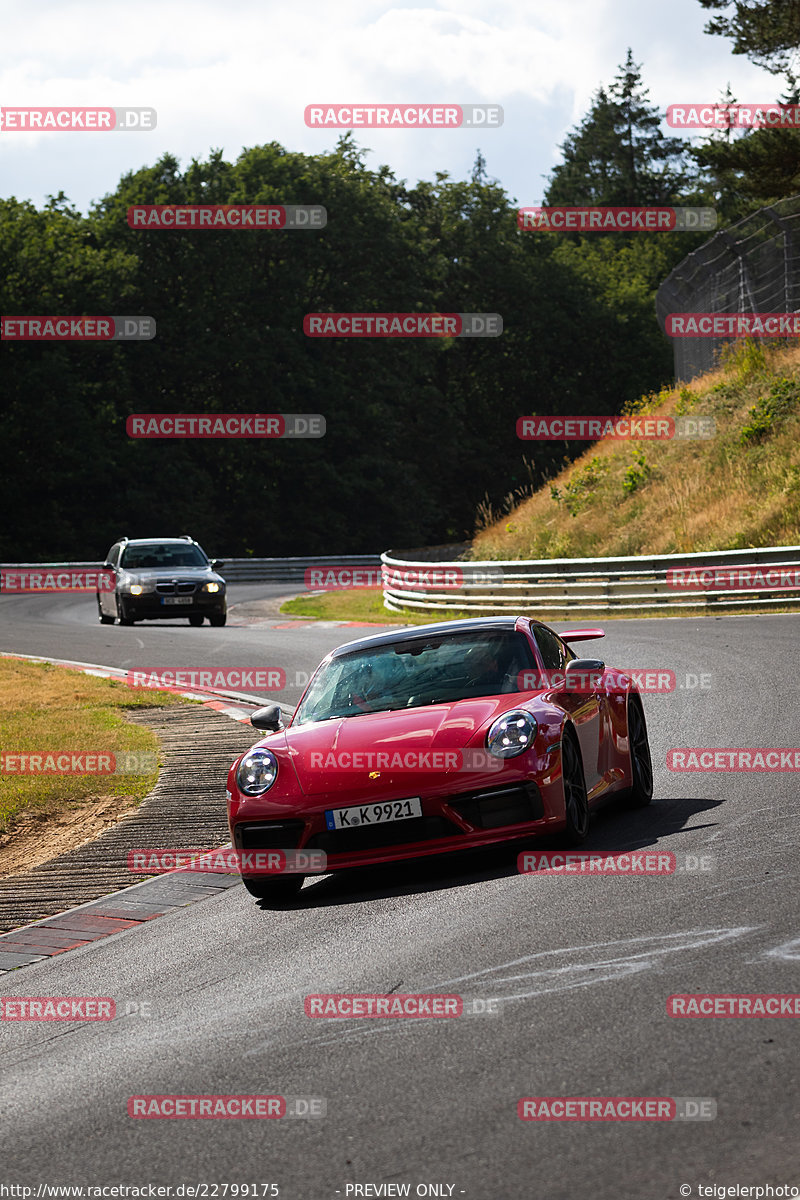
[154, 574]
[322, 752]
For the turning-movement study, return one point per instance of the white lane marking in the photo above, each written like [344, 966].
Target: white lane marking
[788, 950]
[547, 980]
[659, 944]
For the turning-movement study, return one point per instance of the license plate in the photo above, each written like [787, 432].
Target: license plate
[373, 814]
[176, 599]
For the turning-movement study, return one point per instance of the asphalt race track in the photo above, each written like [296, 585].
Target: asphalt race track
[582, 968]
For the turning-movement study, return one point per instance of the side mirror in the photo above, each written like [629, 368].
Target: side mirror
[585, 666]
[268, 718]
[217, 564]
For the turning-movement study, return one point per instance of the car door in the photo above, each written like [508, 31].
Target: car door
[108, 600]
[585, 707]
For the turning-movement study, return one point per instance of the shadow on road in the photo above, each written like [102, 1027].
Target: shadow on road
[613, 828]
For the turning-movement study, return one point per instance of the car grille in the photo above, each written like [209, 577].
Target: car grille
[492, 808]
[270, 835]
[393, 833]
[172, 589]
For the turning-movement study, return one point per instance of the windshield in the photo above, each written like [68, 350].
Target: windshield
[416, 672]
[157, 556]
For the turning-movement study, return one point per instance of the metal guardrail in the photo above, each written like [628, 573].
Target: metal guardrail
[577, 586]
[288, 570]
[583, 586]
[238, 570]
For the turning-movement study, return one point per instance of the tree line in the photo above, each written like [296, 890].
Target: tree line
[420, 431]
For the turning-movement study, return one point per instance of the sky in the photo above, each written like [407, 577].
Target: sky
[233, 74]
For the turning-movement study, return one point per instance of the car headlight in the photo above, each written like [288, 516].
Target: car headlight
[257, 772]
[212, 587]
[512, 733]
[136, 589]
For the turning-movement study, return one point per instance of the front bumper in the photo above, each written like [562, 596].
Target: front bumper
[150, 606]
[450, 822]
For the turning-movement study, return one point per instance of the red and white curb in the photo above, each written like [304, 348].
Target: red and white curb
[142, 902]
[212, 698]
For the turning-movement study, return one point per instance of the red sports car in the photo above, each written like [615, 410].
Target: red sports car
[434, 739]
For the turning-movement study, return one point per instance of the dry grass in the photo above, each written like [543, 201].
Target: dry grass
[48, 709]
[724, 493]
[360, 604]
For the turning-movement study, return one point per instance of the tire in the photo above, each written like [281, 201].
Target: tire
[279, 891]
[104, 620]
[196, 619]
[576, 802]
[218, 620]
[641, 793]
[122, 614]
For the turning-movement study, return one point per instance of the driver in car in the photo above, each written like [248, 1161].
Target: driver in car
[484, 669]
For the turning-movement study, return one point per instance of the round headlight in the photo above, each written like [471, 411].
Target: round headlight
[257, 772]
[136, 589]
[511, 734]
[212, 587]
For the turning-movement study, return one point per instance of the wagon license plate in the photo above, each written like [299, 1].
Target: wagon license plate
[373, 814]
[176, 599]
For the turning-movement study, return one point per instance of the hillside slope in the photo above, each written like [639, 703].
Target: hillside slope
[738, 489]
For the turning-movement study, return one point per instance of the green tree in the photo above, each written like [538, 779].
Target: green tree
[767, 31]
[618, 154]
[418, 430]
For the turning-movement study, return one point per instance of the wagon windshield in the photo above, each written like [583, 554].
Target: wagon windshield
[416, 672]
[162, 557]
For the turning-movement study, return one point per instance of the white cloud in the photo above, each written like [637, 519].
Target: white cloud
[240, 72]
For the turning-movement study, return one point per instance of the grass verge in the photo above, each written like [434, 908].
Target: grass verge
[359, 604]
[47, 709]
[736, 490]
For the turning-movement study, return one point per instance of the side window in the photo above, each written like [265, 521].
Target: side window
[113, 555]
[551, 648]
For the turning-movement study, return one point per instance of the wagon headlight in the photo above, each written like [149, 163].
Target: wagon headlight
[136, 589]
[512, 733]
[212, 587]
[257, 772]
